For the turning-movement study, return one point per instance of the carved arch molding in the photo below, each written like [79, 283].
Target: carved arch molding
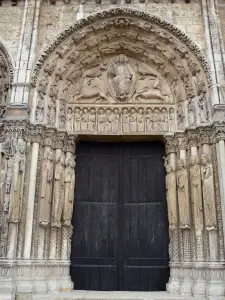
[122, 71]
[6, 77]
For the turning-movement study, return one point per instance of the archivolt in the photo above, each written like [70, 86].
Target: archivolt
[142, 28]
[6, 61]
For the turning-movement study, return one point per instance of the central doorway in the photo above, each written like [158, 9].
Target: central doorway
[120, 224]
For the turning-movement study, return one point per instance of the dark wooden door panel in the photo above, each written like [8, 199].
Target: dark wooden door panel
[120, 237]
[93, 255]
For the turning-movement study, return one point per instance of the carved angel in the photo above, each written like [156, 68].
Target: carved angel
[191, 112]
[203, 112]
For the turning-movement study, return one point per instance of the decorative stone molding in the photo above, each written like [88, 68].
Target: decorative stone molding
[7, 61]
[124, 16]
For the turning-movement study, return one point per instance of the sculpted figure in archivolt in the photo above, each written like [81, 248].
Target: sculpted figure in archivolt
[69, 191]
[183, 201]
[196, 192]
[171, 196]
[58, 193]
[208, 193]
[46, 188]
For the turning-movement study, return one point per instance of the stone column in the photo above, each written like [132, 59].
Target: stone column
[30, 204]
[69, 179]
[56, 212]
[199, 264]
[16, 196]
[185, 221]
[173, 285]
[216, 283]
[45, 193]
[24, 280]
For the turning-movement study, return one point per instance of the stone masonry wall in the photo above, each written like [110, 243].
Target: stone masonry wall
[10, 25]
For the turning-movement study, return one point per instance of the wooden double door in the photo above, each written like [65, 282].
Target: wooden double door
[120, 224]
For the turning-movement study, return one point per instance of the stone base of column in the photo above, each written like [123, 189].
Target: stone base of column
[52, 276]
[40, 282]
[173, 286]
[215, 289]
[187, 279]
[66, 285]
[7, 279]
[24, 276]
[200, 282]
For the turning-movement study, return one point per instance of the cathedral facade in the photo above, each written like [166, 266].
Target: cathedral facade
[111, 71]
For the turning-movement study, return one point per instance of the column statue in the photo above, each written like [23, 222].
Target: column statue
[183, 201]
[58, 193]
[19, 168]
[171, 196]
[2, 189]
[196, 192]
[208, 193]
[46, 188]
[69, 191]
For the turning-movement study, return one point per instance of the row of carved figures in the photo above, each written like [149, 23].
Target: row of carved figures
[114, 120]
[11, 179]
[201, 190]
[57, 188]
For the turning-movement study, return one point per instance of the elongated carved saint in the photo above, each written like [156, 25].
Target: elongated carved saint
[69, 192]
[183, 201]
[18, 175]
[2, 189]
[171, 197]
[196, 193]
[208, 193]
[58, 193]
[46, 189]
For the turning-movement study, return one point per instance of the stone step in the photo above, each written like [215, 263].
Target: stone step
[95, 295]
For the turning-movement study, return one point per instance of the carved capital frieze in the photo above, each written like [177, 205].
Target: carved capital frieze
[219, 133]
[206, 135]
[59, 140]
[171, 145]
[48, 138]
[70, 143]
[34, 133]
[183, 143]
[193, 139]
